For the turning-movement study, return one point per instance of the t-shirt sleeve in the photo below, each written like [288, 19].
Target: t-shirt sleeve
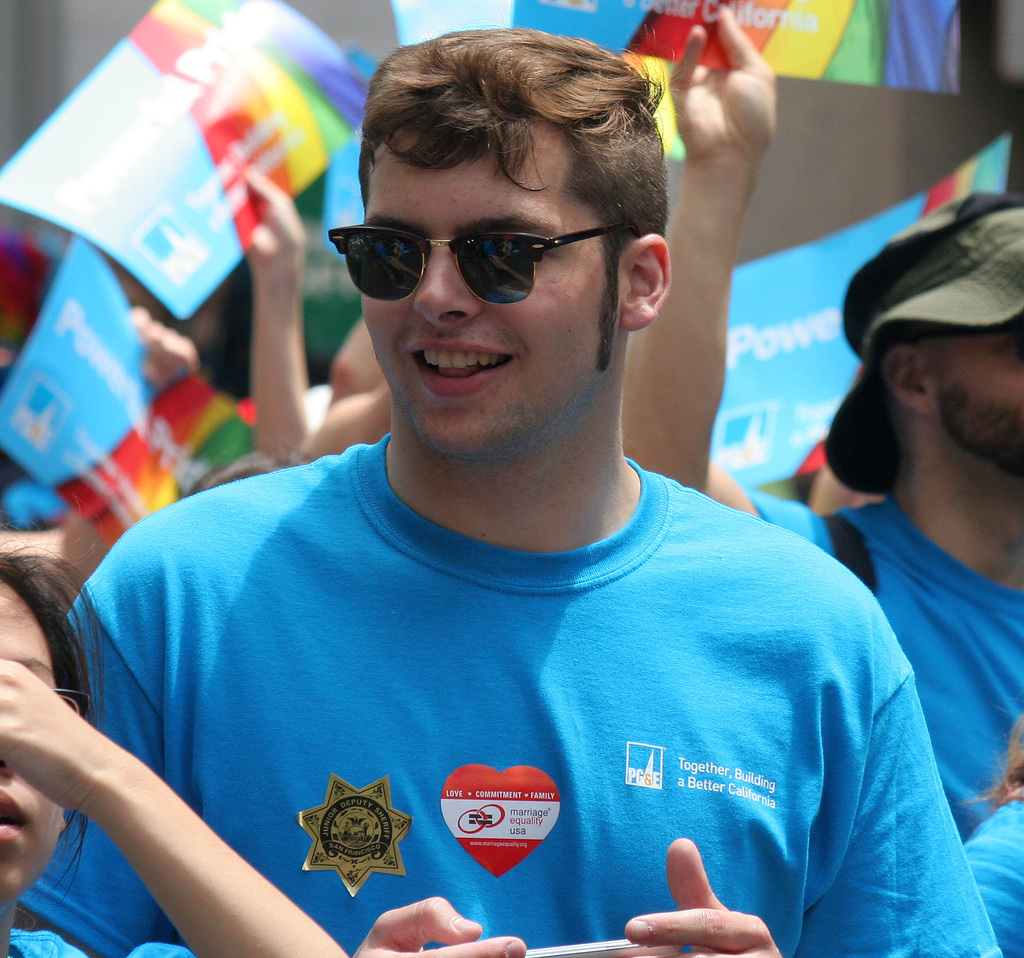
[904, 848]
[996, 855]
[98, 899]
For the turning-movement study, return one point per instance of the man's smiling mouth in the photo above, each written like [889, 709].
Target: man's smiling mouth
[459, 363]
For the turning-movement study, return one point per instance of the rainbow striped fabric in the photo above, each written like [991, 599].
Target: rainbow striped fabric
[898, 43]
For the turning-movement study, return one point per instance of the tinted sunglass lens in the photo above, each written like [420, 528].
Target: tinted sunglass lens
[383, 265]
[498, 269]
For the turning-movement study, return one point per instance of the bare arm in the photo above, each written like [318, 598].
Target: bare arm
[676, 367]
[278, 357]
[221, 906]
[183, 863]
[354, 368]
[361, 407]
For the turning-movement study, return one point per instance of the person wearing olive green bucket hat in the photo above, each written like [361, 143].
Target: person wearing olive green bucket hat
[956, 273]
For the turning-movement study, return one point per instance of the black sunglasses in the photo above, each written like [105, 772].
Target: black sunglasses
[79, 701]
[388, 264]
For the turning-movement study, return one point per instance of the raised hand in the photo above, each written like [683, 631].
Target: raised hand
[44, 740]
[169, 354]
[722, 111]
[278, 241]
[676, 367]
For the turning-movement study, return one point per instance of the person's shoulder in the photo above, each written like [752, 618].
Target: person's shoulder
[792, 515]
[156, 949]
[279, 488]
[225, 521]
[775, 576]
[995, 853]
[746, 534]
[1000, 836]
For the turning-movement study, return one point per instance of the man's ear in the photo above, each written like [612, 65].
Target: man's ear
[907, 371]
[645, 273]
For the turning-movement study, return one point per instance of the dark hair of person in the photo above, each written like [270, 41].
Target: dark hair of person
[1010, 787]
[49, 588]
[251, 464]
[464, 96]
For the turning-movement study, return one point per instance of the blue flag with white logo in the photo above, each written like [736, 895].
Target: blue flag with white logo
[77, 386]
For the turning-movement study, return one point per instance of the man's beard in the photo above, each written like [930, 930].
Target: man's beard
[990, 430]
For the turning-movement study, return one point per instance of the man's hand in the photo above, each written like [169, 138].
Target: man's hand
[702, 922]
[169, 354]
[724, 111]
[676, 366]
[408, 929]
[277, 252]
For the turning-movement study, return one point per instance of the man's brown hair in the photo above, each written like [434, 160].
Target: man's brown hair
[477, 93]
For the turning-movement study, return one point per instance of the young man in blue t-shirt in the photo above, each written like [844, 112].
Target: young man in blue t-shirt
[488, 657]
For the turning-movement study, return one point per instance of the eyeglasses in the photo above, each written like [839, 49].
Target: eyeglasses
[79, 701]
[499, 268]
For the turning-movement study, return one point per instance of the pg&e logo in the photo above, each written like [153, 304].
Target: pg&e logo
[645, 765]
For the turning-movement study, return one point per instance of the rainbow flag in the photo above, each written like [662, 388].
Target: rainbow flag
[898, 43]
[147, 158]
[190, 429]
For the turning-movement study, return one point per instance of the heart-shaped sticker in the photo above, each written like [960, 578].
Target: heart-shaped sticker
[499, 817]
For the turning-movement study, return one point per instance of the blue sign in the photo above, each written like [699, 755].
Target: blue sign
[418, 20]
[77, 387]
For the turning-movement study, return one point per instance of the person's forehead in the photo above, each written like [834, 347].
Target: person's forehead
[21, 638]
[541, 183]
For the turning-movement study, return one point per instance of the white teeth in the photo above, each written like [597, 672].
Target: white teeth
[459, 360]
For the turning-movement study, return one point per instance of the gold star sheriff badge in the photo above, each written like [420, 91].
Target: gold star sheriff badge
[355, 832]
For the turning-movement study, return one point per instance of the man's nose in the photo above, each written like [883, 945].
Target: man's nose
[442, 295]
